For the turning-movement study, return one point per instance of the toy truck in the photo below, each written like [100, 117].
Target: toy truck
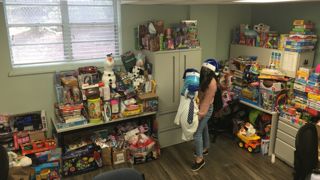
[251, 143]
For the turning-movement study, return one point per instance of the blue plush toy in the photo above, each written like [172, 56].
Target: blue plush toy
[191, 81]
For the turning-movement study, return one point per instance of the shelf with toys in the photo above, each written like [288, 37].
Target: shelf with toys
[288, 52]
[106, 116]
[87, 125]
[288, 90]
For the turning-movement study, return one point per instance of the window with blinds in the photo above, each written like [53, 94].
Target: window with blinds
[47, 31]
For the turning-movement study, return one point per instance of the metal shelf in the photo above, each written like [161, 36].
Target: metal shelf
[62, 130]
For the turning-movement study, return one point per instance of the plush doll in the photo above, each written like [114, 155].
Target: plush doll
[108, 78]
[137, 74]
[187, 115]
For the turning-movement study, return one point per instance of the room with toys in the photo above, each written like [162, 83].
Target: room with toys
[116, 89]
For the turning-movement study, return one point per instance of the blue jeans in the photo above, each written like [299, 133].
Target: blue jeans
[201, 136]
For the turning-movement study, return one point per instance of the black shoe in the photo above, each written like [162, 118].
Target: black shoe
[204, 153]
[196, 166]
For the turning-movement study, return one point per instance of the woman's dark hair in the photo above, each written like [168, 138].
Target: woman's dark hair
[206, 76]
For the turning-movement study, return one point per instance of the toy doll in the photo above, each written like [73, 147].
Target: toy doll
[108, 78]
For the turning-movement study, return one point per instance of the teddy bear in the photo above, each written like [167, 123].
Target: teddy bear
[109, 78]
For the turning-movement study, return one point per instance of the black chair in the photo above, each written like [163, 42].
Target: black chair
[4, 161]
[120, 174]
[306, 153]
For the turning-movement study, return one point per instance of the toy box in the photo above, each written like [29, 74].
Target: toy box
[106, 154]
[271, 85]
[119, 156]
[81, 160]
[49, 171]
[23, 137]
[53, 155]
[149, 101]
[38, 146]
[4, 124]
[268, 99]
[29, 121]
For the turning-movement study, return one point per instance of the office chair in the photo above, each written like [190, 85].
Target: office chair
[120, 174]
[4, 161]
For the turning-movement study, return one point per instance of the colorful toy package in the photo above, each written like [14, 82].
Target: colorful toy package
[81, 160]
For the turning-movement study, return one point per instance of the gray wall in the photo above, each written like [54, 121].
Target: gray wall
[230, 16]
[281, 16]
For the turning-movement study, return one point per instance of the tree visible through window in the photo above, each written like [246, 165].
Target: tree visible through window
[46, 31]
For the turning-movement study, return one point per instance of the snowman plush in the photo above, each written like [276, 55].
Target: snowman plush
[108, 78]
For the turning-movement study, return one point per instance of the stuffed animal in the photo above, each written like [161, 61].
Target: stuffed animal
[108, 78]
[187, 115]
[137, 74]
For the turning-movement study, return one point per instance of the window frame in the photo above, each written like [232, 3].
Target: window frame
[66, 64]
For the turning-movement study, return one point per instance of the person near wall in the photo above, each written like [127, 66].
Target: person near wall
[208, 86]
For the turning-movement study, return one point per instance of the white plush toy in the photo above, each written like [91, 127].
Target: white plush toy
[137, 76]
[108, 78]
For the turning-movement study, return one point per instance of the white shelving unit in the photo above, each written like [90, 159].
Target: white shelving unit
[289, 62]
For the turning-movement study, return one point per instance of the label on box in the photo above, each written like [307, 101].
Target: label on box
[119, 156]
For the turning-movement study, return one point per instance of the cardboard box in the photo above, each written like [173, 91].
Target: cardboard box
[20, 173]
[37, 135]
[106, 154]
[119, 156]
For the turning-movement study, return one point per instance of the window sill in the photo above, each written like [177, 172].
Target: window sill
[55, 67]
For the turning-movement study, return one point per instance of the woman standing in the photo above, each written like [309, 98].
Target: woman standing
[208, 87]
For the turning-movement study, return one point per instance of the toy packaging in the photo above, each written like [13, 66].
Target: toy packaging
[81, 160]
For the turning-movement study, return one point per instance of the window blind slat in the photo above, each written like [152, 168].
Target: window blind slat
[46, 31]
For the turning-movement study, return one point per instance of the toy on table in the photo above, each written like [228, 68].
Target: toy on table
[108, 78]
[248, 138]
[137, 74]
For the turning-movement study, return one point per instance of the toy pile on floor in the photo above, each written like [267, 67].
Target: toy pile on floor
[88, 95]
[154, 36]
[31, 153]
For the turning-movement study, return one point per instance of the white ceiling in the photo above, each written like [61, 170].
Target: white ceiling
[186, 2]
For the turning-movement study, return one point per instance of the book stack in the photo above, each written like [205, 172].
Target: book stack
[302, 37]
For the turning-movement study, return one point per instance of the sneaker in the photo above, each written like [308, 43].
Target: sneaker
[196, 166]
[204, 153]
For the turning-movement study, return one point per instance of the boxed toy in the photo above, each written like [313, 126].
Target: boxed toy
[46, 171]
[106, 154]
[149, 101]
[29, 121]
[81, 160]
[119, 156]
